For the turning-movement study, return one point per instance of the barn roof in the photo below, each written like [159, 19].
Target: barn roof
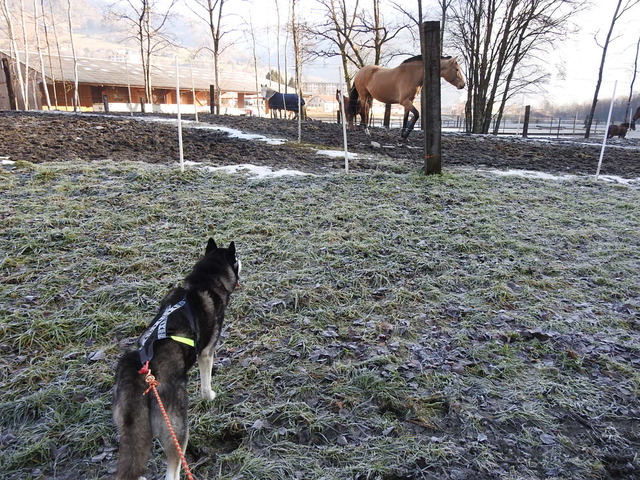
[113, 73]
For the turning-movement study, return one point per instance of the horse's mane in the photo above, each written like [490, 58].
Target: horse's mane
[418, 58]
[270, 92]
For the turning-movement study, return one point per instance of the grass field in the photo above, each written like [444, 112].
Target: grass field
[461, 326]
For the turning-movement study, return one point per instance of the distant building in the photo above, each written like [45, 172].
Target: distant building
[321, 88]
[323, 103]
[119, 85]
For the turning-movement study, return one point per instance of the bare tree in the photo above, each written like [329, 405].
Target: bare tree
[15, 53]
[337, 34]
[49, 56]
[25, 45]
[286, 49]
[382, 32]
[359, 36]
[296, 54]
[499, 41]
[55, 36]
[147, 19]
[252, 39]
[627, 113]
[444, 7]
[414, 16]
[417, 17]
[39, 48]
[278, 30]
[76, 94]
[211, 11]
[622, 6]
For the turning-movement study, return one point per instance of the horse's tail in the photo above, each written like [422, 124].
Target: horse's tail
[352, 108]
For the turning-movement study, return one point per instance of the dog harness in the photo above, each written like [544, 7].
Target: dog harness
[158, 331]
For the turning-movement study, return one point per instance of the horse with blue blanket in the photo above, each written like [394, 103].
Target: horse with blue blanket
[282, 102]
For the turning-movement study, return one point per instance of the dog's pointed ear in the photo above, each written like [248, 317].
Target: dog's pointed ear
[232, 250]
[211, 246]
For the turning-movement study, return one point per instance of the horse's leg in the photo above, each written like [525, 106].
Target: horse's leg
[408, 107]
[365, 108]
[405, 120]
[365, 118]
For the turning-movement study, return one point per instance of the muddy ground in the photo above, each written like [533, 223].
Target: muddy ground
[42, 137]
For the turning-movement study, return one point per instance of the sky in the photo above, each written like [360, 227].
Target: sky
[579, 55]
[582, 55]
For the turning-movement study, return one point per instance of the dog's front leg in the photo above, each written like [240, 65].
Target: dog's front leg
[205, 364]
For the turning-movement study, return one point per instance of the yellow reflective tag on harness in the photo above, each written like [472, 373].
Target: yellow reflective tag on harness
[186, 341]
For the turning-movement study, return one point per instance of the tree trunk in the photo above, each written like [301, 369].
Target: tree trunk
[39, 48]
[296, 53]
[628, 111]
[26, 55]
[278, 43]
[76, 95]
[601, 71]
[255, 61]
[46, 39]
[495, 37]
[15, 53]
[9, 79]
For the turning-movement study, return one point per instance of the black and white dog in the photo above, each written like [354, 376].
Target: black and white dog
[186, 328]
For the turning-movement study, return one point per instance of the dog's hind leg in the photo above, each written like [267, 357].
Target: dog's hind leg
[175, 401]
[205, 364]
[131, 415]
[174, 461]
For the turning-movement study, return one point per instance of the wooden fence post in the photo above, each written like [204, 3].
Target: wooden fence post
[212, 99]
[431, 98]
[9, 79]
[525, 125]
[105, 102]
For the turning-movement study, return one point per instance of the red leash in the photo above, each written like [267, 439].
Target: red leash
[153, 384]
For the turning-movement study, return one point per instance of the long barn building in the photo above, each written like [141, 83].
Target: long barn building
[117, 85]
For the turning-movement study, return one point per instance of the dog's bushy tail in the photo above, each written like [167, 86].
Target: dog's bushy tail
[131, 415]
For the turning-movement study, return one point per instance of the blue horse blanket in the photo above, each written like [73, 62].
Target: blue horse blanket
[279, 100]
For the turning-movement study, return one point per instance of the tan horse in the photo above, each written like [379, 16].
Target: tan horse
[399, 85]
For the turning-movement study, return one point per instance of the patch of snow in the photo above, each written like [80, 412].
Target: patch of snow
[336, 153]
[548, 176]
[254, 170]
[236, 133]
[529, 174]
[6, 161]
[623, 181]
[230, 131]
